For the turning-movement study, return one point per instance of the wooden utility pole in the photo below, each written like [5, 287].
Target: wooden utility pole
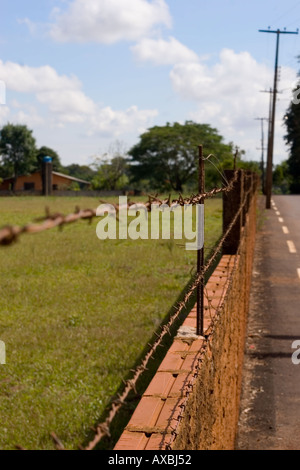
[269, 178]
[262, 164]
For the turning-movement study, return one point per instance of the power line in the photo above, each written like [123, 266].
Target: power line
[286, 12]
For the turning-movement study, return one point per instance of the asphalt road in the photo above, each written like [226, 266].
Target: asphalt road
[270, 404]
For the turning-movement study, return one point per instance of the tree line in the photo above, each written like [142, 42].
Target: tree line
[286, 175]
[164, 159]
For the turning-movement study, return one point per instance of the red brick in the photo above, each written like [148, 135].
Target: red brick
[172, 361]
[206, 324]
[132, 441]
[169, 414]
[196, 345]
[215, 291]
[190, 322]
[158, 441]
[227, 258]
[216, 279]
[189, 363]
[193, 313]
[178, 346]
[220, 271]
[160, 384]
[180, 385]
[146, 413]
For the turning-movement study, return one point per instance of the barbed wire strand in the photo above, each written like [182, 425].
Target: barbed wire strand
[201, 353]
[222, 174]
[11, 233]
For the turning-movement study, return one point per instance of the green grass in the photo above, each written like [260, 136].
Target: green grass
[76, 314]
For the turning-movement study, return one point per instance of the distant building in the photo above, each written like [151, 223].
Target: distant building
[34, 182]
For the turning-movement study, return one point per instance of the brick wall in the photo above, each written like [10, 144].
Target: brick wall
[192, 403]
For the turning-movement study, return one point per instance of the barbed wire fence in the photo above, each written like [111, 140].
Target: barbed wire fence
[189, 383]
[10, 234]
[102, 429]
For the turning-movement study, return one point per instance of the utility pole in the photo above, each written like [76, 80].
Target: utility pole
[272, 124]
[269, 124]
[262, 165]
[270, 108]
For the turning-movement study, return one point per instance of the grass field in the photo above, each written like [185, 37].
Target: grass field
[75, 314]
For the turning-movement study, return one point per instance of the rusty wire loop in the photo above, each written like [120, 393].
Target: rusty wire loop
[209, 160]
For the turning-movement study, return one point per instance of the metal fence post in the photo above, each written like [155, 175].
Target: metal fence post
[200, 253]
[231, 204]
[248, 188]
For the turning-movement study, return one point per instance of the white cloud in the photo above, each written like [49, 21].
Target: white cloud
[4, 113]
[107, 120]
[30, 24]
[65, 102]
[161, 52]
[25, 79]
[31, 118]
[109, 21]
[234, 75]
[227, 95]
[60, 93]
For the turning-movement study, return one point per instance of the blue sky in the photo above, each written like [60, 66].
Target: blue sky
[85, 73]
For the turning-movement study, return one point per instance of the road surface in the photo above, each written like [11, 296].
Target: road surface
[270, 405]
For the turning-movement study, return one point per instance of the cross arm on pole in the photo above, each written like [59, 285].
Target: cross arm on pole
[278, 31]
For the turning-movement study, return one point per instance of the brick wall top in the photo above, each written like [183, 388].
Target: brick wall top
[156, 415]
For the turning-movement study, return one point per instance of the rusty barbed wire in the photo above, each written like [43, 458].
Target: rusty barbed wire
[102, 429]
[198, 358]
[9, 234]
[189, 385]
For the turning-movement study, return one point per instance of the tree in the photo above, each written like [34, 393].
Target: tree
[48, 152]
[250, 165]
[281, 178]
[168, 155]
[111, 175]
[111, 168]
[83, 172]
[17, 150]
[292, 138]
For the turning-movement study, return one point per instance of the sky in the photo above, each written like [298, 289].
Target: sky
[84, 74]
